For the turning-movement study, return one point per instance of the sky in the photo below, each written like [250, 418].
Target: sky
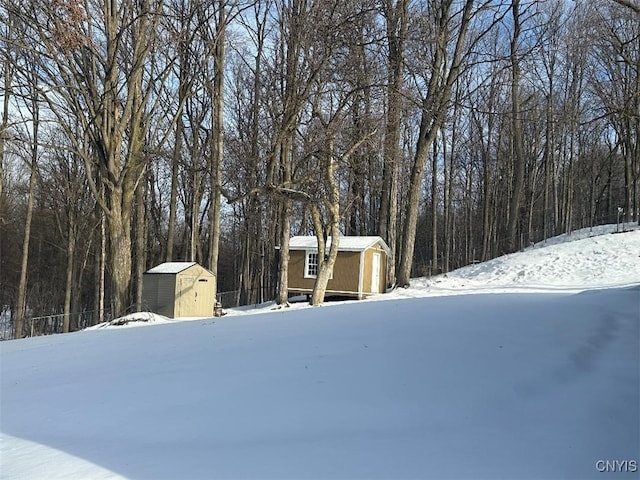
[527, 366]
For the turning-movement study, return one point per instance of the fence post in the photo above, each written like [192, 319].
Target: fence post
[620, 212]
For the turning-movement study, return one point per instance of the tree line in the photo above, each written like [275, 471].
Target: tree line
[140, 131]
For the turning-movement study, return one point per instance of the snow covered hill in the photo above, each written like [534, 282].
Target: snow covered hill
[543, 382]
[588, 258]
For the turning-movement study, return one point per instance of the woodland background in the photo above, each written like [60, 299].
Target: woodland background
[140, 131]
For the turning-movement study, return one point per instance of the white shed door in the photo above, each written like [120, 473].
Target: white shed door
[375, 274]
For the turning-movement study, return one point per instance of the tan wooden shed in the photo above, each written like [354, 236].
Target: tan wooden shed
[179, 289]
[360, 268]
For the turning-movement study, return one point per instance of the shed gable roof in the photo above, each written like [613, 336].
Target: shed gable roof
[171, 267]
[347, 243]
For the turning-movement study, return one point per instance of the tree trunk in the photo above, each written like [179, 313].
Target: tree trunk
[119, 228]
[245, 266]
[173, 199]
[103, 267]
[434, 209]
[326, 262]
[196, 197]
[486, 145]
[21, 304]
[286, 155]
[548, 158]
[71, 248]
[396, 23]
[4, 126]
[217, 139]
[568, 211]
[425, 140]
[628, 153]
[177, 150]
[141, 242]
[635, 129]
[22, 285]
[100, 261]
[449, 175]
[4, 134]
[516, 122]
[283, 267]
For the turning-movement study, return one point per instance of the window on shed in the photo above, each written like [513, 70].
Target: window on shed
[311, 265]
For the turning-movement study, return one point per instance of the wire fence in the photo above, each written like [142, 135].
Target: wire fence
[35, 326]
[53, 323]
[242, 297]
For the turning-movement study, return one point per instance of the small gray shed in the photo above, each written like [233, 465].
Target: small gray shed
[179, 289]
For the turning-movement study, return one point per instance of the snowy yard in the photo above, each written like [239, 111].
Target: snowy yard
[518, 375]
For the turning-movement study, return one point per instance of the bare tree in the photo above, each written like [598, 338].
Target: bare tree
[516, 123]
[33, 104]
[7, 68]
[140, 247]
[327, 196]
[304, 55]
[449, 52]
[95, 73]
[184, 13]
[616, 81]
[217, 137]
[67, 191]
[396, 16]
[244, 169]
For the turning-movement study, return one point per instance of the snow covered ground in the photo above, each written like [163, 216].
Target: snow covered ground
[585, 259]
[542, 382]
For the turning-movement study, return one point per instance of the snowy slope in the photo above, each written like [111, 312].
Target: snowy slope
[525, 385]
[588, 258]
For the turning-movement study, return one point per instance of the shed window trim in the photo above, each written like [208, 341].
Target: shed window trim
[312, 265]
